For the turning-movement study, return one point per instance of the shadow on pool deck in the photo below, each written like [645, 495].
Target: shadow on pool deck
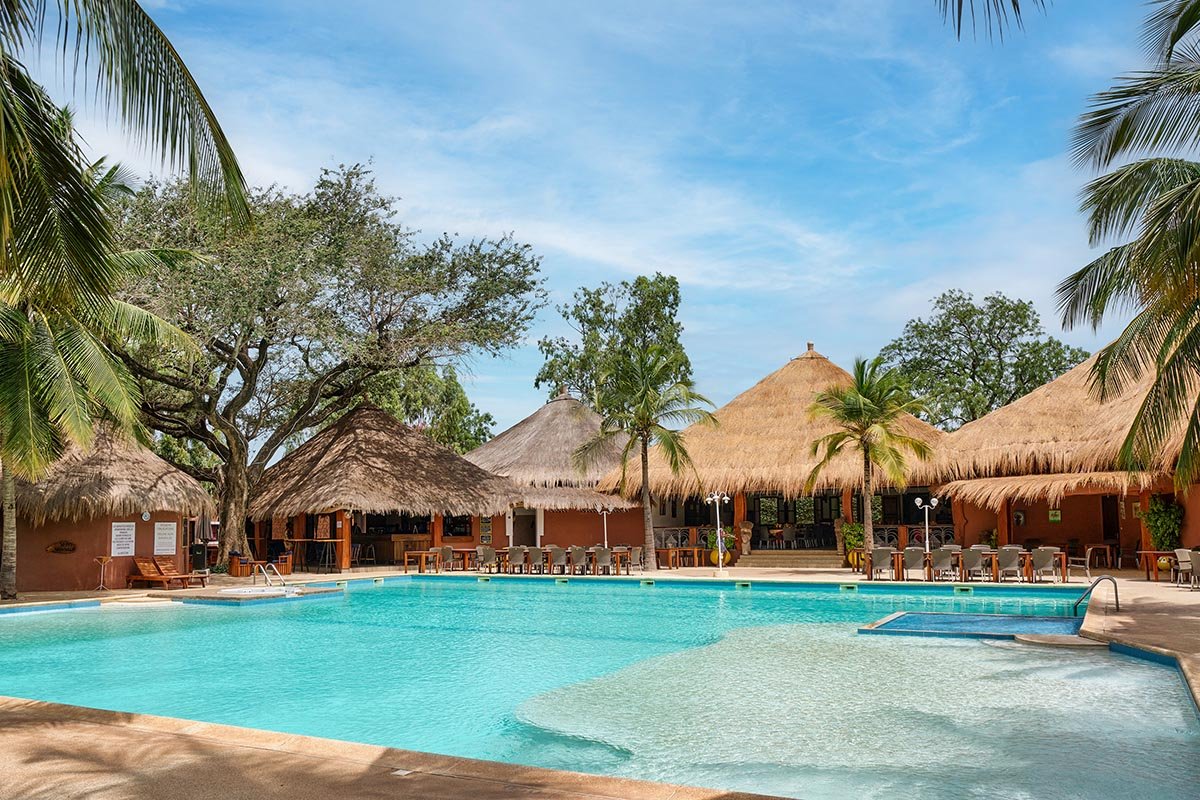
[56, 751]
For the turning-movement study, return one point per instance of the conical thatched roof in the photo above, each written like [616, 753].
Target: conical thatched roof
[763, 442]
[1058, 428]
[538, 454]
[539, 450]
[115, 477]
[369, 461]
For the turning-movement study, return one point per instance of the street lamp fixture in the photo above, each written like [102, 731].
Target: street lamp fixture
[715, 499]
[933, 502]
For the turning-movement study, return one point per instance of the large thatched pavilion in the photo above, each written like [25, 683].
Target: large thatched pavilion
[559, 502]
[370, 480]
[760, 453]
[1044, 470]
[115, 499]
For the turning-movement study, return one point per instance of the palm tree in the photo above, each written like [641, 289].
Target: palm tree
[867, 412]
[1153, 201]
[996, 14]
[639, 398]
[59, 366]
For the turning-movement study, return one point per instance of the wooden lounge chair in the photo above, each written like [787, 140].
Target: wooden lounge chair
[148, 574]
[166, 564]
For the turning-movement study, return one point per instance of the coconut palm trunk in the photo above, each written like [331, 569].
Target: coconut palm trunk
[647, 512]
[868, 506]
[8, 561]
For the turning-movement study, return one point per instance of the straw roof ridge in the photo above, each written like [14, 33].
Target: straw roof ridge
[540, 449]
[991, 493]
[370, 461]
[115, 477]
[1058, 428]
[763, 440]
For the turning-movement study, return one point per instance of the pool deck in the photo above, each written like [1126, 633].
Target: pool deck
[49, 750]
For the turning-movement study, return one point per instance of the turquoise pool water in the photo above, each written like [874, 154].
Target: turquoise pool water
[764, 689]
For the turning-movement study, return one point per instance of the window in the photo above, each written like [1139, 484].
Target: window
[456, 526]
[768, 511]
[674, 508]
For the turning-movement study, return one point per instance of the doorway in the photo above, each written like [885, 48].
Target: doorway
[524, 527]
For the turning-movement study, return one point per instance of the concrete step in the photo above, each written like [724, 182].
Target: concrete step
[792, 559]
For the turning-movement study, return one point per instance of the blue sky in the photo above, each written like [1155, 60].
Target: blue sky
[808, 170]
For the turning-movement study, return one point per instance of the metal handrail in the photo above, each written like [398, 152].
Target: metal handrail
[1088, 591]
[266, 576]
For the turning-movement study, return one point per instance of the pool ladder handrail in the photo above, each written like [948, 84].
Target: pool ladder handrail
[1087, 592]
[267, 575]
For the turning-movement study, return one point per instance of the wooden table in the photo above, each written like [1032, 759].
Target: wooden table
[672, 556]
[423, 557]
[467, 554]
[1150, 560]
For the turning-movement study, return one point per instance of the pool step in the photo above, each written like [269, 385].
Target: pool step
[791, 559]
[1057, 640]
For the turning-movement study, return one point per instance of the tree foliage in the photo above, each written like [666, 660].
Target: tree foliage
[299, 315]
[969, 358]
[433, 400]
[1145, 124]
[611, 321]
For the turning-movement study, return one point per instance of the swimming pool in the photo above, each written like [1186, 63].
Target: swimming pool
[768, 689]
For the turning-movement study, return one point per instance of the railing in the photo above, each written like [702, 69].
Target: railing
[1087, 592]
[262, 568]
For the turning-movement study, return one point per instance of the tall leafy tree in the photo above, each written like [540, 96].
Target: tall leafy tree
[867, 412]
[609, 322]
[969, 358]
[1148, 120]
[299, 315]
[644, 404]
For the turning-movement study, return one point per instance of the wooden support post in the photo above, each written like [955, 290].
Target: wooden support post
[739, 509]
[902, 536]
[1144, 504]
[435, 527]
[1004, 524]
[848, 504]
[341, 532]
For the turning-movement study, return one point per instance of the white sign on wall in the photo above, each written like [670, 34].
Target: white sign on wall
[166, 534]
[124, 536]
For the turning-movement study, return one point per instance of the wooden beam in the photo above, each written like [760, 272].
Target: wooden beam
[435, 527]
[341, 532]
[739, 509]
[1004, 524]
[1144, 504]
[848, 504]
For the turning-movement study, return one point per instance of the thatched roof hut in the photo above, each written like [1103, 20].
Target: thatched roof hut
[763, 442]
[1056, 440]
[369, 461]
[115, 477]
[538, 454]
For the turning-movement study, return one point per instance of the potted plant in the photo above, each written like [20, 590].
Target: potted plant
[1164, 520]
[729, 541]
[852, 535]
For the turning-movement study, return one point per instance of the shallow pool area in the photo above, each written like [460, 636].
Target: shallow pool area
[982, 626]
[768, 688]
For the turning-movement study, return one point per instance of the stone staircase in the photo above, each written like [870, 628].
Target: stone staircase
[791, 559]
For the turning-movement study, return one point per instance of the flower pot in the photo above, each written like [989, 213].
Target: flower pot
[713, 555]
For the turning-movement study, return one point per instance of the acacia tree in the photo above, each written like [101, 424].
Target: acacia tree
[298, 315]
[611, 321]
[970, 358]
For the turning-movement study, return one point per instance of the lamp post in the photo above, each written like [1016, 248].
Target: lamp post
[604, 511]
[933, 501]
[715, 499]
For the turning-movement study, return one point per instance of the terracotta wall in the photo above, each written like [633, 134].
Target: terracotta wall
[1082, 518]
[1191, 518]
[585, 528]
[39, 570]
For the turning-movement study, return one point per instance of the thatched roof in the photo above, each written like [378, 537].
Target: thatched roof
[369, 461]
[763, 442]
[568, 498]
[539, 450]
[115, 477]
[1058, 428]
[992, 492]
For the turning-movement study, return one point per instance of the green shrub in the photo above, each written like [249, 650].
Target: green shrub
[729, 539]
[1164, 518]
[852, 535]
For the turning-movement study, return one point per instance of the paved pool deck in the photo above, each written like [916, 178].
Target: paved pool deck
[57, 751]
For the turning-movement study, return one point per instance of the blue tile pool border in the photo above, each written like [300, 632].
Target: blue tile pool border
[64, 605]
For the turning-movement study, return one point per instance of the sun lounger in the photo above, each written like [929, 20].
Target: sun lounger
[149, 574]
[166, 565]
